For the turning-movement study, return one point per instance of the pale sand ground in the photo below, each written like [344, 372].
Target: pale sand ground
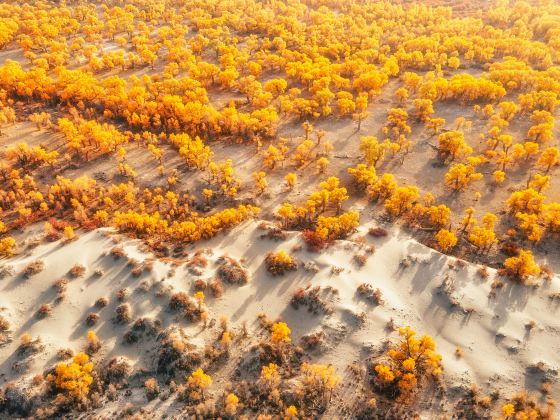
[497, 347]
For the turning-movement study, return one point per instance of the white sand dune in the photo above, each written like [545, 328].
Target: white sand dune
[433, 293]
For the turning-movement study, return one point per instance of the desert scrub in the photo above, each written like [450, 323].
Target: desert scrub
[315, 298]
[101, 302]
[152, 388]
[175, 354]
[142, 327]
[279, 263]
[93, 342]
[78, 270]
[118, 252]
[123, 314]
[180, 301]
[372, 295]
[378, 232]
[92, 319]
[44, 310]
[231, 271]
[33, 268]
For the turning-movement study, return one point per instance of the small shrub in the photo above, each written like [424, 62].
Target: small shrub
[44, 310]
[315, 243]
[200, 285]
[141, 327]
[116, 372]
[101, 302]
[279, 263]
[4, 324]
[152, 388]
[176, 354]
[93, 342]
[274, 233]
[217, 288]
[312, 298]
[65, 354]
[122, 294]
[77, 270]
[378, 232]
[361, 259]
[33, 268]
[92, 319]
[123, 314]
[232, 272]
[180, 300]
[367, 291]
[314, 340]
[118, 252]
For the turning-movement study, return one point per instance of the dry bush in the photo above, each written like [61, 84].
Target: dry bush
[361, 259]
[315, 243]
[123, 314]
[509, 248]
[7, 271]
[33, 268]
[4, 330]
[76, 271]
[231, 271]
[116, 372]
[92, 319]
[118, 252]
[274, 233]
[28, 345]
[152, 388]
[61, 285]
[4, 324]
[378, 232]
[217, 288]
[198, 260]
[122, 294]
[200, 285]
[313, 340]
[44, 310]
[372, 295]
[142, 327]
[176, 355]
[313, 298]
[181, 301]
[101, 302]
[65, 354]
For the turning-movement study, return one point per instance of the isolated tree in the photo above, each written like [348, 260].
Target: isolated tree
[372, 151]
[446, 240]
[522, 266]
[452, 145]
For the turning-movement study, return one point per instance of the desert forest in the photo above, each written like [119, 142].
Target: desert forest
[280, 209]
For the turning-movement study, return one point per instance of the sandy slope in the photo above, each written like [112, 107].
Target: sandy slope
[451, 304]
